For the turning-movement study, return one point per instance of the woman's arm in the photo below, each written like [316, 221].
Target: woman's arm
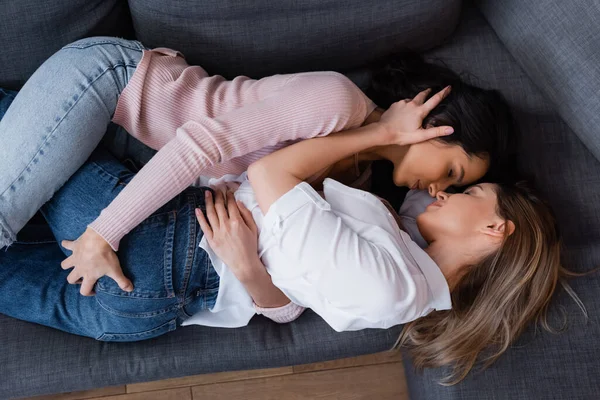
[276, 174]
[233, 236]
[306, 105]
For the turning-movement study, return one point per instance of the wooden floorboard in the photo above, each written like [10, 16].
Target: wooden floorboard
[87, 394]
[381, 382]
[207, 379]
[376, 376]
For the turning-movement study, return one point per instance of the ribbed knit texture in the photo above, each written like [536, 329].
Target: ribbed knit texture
[206, 125]
[283, 314]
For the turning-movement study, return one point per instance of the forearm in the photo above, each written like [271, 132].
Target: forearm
[303, 108]
[259, 285]
[274, 175]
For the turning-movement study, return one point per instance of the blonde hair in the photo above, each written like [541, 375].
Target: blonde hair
[494, 300]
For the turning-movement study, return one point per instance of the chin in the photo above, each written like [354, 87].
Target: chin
[422, 224]
[399, 182]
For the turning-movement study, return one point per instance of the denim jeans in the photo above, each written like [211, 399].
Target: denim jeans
[55, 122]
[173, 278]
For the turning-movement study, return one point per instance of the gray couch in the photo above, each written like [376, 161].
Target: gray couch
[544, 56]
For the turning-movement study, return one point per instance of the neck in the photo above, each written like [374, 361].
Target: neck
[452, 259]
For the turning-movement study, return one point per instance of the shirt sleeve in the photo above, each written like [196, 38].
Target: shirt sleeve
[308, 105]
[283, 314]
[351, 280]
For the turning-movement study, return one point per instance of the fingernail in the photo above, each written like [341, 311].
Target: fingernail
[207, 194]
[197, 211]
[448, 131]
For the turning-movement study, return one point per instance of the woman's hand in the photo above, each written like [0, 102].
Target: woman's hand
[93, 258]
[231, 233]
[404, 119]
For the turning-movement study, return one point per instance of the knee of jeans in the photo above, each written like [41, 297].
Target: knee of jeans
[104, 40]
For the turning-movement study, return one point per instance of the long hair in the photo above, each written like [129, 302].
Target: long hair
[481, 118]
[495, 299]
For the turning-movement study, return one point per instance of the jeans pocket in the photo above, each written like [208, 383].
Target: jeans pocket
[135, 307]
[167, 327]
[146, 257]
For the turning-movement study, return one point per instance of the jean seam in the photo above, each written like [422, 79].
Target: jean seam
[100, 42]
[50, 135]
[133, 295]
[25, 243]
[103, 171]
[170, 325]
[191, 251]
[149, 314]
[168, 254]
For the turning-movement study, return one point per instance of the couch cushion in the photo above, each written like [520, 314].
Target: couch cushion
[32, 30]
[558, 45]
[542, 365]
[39, 360]
[264, 37]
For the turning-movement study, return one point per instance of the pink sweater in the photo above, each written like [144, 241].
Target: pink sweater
[207, 125]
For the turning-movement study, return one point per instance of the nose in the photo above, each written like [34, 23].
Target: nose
[435, 187]
[442, 195]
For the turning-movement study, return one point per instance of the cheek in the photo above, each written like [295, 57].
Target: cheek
[448, 221]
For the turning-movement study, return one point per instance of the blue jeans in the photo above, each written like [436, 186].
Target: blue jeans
[172, 277]
[55, 122]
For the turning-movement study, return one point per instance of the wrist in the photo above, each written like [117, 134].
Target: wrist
[96, 237]
[252, 271]
[384, 134]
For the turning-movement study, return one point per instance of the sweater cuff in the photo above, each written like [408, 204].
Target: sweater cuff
[108, 232]
[283, 314]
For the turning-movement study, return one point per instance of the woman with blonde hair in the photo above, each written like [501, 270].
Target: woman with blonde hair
[490, 264]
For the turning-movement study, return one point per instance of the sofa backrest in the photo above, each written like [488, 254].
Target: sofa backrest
[264, 37]
[229, 37]
[32, 30]
[557, 43]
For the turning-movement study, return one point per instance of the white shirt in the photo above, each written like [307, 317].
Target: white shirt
[343, 256]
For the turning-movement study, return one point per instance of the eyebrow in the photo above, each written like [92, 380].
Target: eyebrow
[462, 176]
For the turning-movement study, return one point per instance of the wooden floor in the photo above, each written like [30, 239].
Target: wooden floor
[377, 376]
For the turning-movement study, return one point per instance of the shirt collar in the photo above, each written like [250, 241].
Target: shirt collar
[433, 275]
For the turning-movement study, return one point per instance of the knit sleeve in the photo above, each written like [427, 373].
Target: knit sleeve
[306, 106]
[283, 314]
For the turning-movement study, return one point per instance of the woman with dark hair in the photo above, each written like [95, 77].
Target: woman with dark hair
[490, 266]
[63, 110]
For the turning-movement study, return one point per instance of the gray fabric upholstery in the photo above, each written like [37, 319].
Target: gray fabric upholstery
[556, 42]
[256, 37]
[32, 30]
[542, 365]
[263, 37]
[38, 360]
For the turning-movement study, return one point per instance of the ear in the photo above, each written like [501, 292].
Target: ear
[499, 228]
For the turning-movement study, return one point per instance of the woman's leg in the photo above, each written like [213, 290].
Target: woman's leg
[56, 121]
[160, 256]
